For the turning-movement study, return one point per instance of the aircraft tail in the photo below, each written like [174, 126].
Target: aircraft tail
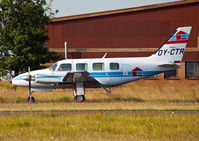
[172, 51]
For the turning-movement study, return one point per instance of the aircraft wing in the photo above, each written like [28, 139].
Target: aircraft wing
[76, 77]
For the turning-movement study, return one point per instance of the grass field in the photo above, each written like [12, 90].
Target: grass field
[140, 95]
[100, 126]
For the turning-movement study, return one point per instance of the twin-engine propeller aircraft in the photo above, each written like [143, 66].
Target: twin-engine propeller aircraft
[105, 72]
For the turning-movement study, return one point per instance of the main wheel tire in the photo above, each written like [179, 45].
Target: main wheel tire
[32, 99]
[80, 98]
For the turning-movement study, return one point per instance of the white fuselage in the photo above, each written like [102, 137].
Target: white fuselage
[110, 72]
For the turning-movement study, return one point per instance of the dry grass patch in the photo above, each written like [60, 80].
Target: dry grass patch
[138, 91]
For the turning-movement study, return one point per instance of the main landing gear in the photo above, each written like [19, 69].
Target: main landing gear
[31, 99]
[79, 92]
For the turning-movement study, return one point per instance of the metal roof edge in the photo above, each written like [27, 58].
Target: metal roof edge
[120, 11]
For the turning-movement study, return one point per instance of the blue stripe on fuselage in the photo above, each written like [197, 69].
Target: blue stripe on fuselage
[121, 74]
[20, 77]
[49, 76]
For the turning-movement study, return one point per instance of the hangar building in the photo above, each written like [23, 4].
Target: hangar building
[133, 32]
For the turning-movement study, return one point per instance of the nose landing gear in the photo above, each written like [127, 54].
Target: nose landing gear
[30, 98]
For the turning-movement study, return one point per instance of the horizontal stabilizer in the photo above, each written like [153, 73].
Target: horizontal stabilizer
[169, 65]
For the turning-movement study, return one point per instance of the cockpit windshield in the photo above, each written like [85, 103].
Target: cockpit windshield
[53, 67]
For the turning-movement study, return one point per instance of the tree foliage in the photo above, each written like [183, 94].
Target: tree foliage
[23, 35]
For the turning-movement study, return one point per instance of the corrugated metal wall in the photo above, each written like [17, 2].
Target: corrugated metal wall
[142, 29]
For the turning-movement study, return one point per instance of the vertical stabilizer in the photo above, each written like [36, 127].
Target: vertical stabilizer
[172, 51]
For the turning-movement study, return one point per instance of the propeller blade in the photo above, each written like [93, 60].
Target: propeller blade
[29, 70]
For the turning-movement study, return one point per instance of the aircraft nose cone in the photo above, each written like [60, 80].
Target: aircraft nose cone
[14, 81]
[20, 80]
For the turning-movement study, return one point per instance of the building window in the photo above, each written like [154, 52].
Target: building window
[192, 69]
[114, 66]
[65, 67]
[171, 74]
[98, 66]
[82, 66]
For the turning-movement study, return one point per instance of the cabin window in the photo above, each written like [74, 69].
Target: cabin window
[82, 66]
[98, 66]
[114, 66]
[65, 67]
[53, 67]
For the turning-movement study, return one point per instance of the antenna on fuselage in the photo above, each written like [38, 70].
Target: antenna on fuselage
[104, 55]
[66, 50]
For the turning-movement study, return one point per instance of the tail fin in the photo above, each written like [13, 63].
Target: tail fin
[172, 51]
